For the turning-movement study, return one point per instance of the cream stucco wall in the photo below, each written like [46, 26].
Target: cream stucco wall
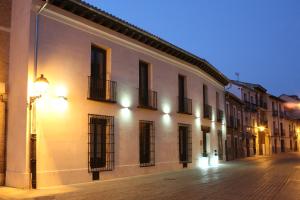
[64, 58]
[62, 134]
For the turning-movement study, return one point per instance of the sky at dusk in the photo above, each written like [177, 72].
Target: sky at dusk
[260, 39]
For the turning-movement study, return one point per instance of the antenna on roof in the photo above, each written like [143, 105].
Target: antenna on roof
[237, 76]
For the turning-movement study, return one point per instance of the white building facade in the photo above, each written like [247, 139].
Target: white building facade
[120, 101]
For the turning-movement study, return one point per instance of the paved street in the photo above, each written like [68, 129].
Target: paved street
[276, 177]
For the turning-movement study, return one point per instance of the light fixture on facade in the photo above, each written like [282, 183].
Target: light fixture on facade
[41, 85]
[261, 128]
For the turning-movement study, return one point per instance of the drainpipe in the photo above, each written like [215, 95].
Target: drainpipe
[4, 100]
[32, 112]
[36, 41]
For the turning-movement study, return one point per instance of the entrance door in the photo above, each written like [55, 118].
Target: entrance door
[275, 143]
[235, 147]
[282, 146]
[248, 147]
[183, 145]
[254, 145]
[220, 145]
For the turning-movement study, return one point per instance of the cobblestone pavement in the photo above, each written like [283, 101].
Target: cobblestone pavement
[276, 177]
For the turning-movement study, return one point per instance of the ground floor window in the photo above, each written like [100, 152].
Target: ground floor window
[185, 143]
[147, 144]
[101, 143]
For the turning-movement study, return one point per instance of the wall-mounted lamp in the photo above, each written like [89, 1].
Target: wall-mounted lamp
[41, 85]
[261, 128]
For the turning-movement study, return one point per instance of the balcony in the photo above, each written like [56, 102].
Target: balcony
[220, 115]
[147, 99]
[282, 133]
[184, 105]
[233, 122]
[275, 113]
[263, 104]
[281, 114]
[250, 107]
[275, 131]
[207, 111]
[102, 90]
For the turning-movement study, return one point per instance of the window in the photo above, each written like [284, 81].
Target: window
[100, 88]
[245, 97]
[207, 108]
[101, 143]
[147, 144]
[185, 143]
[147, 98]
[184, 104]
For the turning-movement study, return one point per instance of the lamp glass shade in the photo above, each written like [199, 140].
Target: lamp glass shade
[41, 85]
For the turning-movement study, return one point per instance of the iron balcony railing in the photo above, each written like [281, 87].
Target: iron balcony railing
[282, 114]
[275, 131]
[275, 113]
[263, 104]
[148, 99]
[220, 115]
[184, 105]
[207, 111]
[282, 132]
[102, 90]
[229, 122]
[250, 107]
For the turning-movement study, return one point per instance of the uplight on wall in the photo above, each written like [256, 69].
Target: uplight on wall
[166, 108]
[60, 101]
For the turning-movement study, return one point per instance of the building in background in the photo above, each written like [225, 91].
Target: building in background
[237, 144]
[292, 114]
[255, 119]
[5, 23]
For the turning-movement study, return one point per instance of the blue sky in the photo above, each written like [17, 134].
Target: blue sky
[260, 39]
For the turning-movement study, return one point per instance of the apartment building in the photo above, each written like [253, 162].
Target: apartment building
[255, 119]
[292, 117]
[278, 124]
[5, 18]
[238, 142]
[119, 102]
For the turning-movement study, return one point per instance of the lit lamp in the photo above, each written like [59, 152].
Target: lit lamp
[261, 128]
[41, 85]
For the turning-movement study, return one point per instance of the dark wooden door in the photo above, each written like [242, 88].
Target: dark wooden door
[145, 143]
[183, 143]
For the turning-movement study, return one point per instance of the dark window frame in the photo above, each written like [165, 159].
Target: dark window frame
[149, 160]
[93, 121]
[189, 151]
[99, 87]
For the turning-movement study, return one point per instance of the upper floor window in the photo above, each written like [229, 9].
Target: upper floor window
[100, 87]
[184, 104]
[207, 108]
[219, 111]
[147, 97]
